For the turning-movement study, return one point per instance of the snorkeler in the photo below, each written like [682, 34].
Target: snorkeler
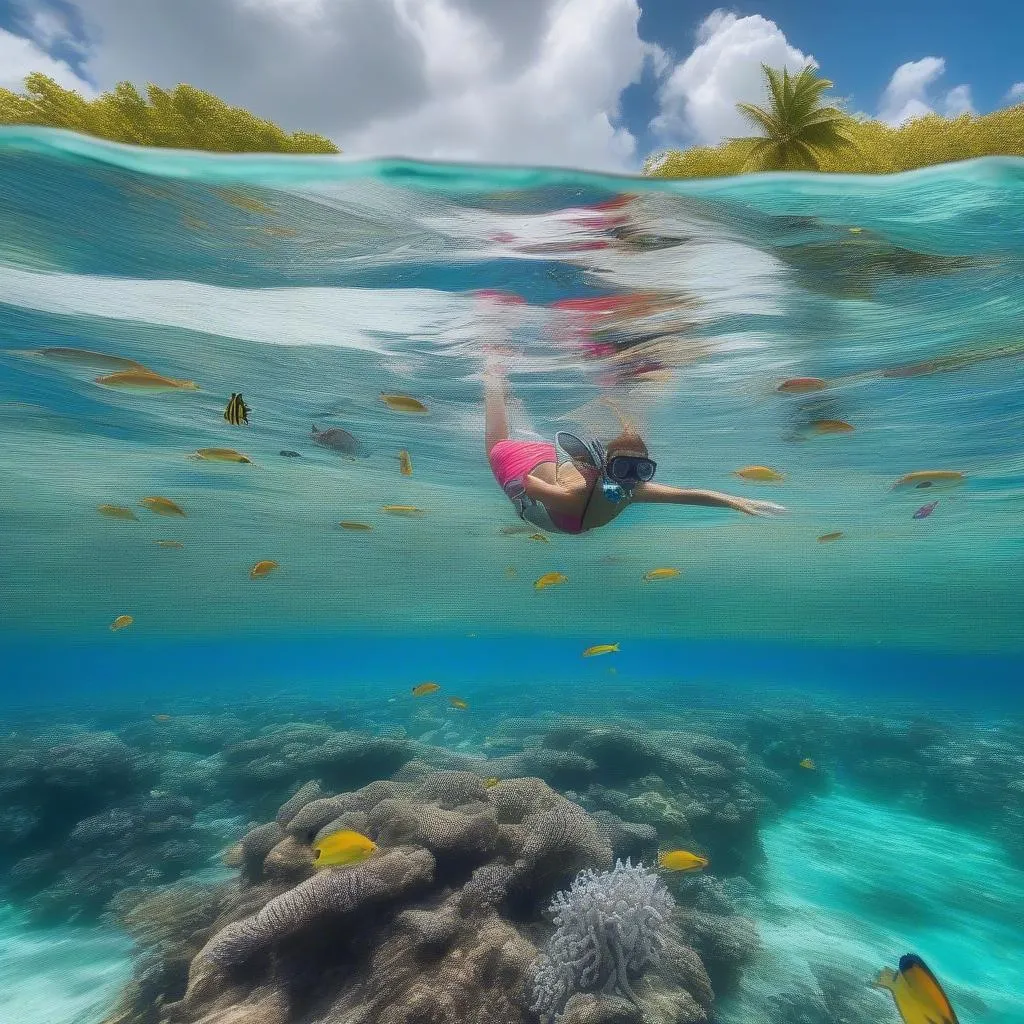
[592, 484]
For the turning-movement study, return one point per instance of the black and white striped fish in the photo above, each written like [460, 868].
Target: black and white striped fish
[237, 411]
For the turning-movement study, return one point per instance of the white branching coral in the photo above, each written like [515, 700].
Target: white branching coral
[609, 927]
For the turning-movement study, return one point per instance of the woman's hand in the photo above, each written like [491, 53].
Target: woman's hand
[751, 507]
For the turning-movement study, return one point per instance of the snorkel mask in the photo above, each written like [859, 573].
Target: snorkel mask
[619, 475]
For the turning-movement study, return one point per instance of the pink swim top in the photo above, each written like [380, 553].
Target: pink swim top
[511, 462]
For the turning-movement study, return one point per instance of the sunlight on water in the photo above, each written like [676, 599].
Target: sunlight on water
[823, 703]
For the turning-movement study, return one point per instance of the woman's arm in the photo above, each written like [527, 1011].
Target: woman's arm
[659, 494]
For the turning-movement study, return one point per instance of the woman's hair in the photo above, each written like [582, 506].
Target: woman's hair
[628, 441]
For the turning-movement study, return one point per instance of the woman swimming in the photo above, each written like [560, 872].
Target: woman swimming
[593, 484]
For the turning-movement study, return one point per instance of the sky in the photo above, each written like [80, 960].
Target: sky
[599, 84]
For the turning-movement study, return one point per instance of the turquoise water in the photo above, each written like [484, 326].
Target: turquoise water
[890, 655]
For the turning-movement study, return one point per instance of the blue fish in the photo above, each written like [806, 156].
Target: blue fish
[925, 511]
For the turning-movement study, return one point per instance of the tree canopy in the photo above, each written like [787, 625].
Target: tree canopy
[873, 147]
[180, 118]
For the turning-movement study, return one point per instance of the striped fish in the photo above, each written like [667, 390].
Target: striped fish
[237, 411]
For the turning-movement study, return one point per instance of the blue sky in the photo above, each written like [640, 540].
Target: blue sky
[597, 83]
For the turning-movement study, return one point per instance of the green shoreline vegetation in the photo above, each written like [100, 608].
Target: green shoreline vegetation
[797, 130]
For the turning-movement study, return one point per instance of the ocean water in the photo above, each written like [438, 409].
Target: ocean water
[824, 703]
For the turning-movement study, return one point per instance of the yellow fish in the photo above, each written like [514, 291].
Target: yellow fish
[855, 231]
[404, 463]
[162, 506]
[402, 510]
[827, 538]
[344, 847]
[261, 569]
[681, 860]
[832, 427]
[761, 474]
[661, 574]
[550, 579]
[540, 537]
[402, 403]
[236, 412]
[801, 385]
[145, 380]
[220, 455]
[170, 544]
[808, 763]
[918, 996]
[120, 622]
[929, 478]
[243, 202]
[350, 524]
[424, 688]
[458, 702]
[116, 512]
[600, 649]
[491, 783]
[161, 718]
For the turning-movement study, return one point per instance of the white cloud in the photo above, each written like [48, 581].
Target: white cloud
[529, 81]
[1015, 94]
[909, 93]
[698, 99]
[19, 57]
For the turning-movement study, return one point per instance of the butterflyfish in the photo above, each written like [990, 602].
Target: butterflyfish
[540, 537]
[351, 524]
[169, 544]
[120, 622]
[340, 848]
[832, 427]
[681, 860]
[404, 463]
[162, 506]
[802, 385]
[808, 764]
[827, 538]
[145, 380]
[402, 403]
[220, 455]
[261, 569]
[918, 996]
[116, 512]
[590, 652]
[236, 412]
[661, 574]
[760, 474]
[402, 510]
[458, 702]
[424, 688]
[550, 579]
[930, 478]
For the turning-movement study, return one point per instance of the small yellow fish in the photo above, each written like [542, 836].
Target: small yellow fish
[801, 385]
[761, 474]
[344, 847]
[827, 538]
[243, 202]
[855, 231]
[169, 544]
[120, 622]
[590, 652]
[661, 574]
[458, 702]
[511, 531]
[424, 688]
[550, 579]
[491, 783]
[220, 455]
[351, 524]
[929, 478]
[236, 412]
[162, 506]
[116, 512]
[682, 860]
[261, 569]
[918, 996]
[510, 572]
[145, 380]
[403, 510]
[402, 403]
[540, 537]
[404, 463]
[808, 764]
[832, 427]
[161, 718]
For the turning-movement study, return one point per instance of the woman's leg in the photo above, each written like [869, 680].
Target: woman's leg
[495, 409]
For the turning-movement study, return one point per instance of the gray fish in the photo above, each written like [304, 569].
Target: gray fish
[83, 357]
[289, 454]
[337, 440]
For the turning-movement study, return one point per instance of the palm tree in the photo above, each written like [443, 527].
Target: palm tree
[796, 128]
